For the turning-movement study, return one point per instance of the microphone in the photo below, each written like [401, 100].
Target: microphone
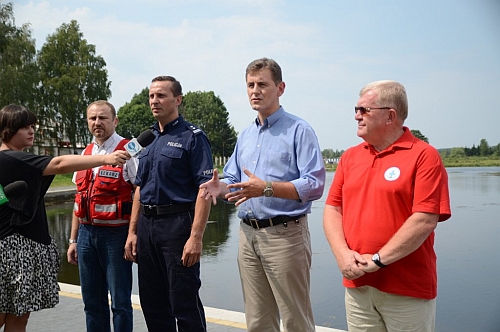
[15, 192]
[136, 145]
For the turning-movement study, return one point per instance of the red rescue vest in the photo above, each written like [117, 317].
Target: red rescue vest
[106, 199]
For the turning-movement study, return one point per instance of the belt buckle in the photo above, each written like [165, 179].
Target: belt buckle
[149, 209]
[252, 221]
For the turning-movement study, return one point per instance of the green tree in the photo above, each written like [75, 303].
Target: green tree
[457, 153]
[72, 76]
[136, 116]
[484, 148]
[18, 70]
[328, 153]
[496, 150]
[419, 135]
[208, 112]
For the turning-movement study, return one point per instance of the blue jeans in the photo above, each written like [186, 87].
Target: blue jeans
[102, 267]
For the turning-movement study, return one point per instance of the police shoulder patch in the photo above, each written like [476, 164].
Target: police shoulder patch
[194, 129]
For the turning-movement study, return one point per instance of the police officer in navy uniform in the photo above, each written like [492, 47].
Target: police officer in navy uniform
[168, 217]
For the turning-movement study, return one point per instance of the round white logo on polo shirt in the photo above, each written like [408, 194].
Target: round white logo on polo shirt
[392, 173]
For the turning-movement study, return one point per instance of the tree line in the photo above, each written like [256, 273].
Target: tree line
[332, 157]
[483, 149]
[61, 79]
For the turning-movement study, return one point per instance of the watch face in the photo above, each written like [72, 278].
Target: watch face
[268, 192]
[376, 257]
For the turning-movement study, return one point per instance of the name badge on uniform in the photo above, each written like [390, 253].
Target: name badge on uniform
[109, 174]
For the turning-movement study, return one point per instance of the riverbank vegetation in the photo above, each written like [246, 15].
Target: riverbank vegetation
[482, 155]
[471, 161]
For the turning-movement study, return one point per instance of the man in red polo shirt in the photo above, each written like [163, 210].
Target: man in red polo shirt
[387, 196]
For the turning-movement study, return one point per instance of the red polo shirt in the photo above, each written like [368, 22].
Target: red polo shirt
[378, 191]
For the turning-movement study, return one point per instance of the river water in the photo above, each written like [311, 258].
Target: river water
[467, 246]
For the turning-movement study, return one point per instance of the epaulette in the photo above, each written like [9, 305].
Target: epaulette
[194, 129]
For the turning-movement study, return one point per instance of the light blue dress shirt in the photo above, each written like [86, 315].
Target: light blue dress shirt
[284, 148]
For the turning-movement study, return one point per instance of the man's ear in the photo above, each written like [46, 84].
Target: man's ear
[392, 116]
[178, 100]
[281, 88]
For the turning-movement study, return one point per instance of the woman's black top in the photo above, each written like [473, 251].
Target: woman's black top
[20, 165]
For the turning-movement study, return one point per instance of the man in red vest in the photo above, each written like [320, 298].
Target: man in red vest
[100, 226]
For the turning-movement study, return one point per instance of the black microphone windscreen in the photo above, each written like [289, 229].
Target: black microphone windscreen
[17, 193]
[145, 138]
[15, 189]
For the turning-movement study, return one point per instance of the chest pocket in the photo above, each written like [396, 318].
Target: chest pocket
[278, 160]
[171, 156]
[108, 179]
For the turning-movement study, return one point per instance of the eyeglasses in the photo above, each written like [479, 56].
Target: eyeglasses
[364, 110]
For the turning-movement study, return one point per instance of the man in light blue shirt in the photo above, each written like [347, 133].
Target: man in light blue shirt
[274, 174]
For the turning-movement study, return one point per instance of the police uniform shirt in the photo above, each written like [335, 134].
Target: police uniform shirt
[172, 168]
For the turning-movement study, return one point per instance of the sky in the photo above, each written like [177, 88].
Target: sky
[446, 53]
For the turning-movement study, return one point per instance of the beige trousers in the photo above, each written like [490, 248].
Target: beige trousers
[369, 309]
[274, 264]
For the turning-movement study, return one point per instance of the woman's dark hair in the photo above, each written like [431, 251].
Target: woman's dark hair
[12, 118]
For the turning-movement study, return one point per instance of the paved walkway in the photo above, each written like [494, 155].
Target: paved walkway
[68, 316]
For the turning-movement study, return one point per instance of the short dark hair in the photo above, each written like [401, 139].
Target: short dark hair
[263, 63]
[176, 85]
[12, 118]
[104, 102]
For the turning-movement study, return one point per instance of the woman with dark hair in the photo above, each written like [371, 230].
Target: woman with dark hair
[29, 261]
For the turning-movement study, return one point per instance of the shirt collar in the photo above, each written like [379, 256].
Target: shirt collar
[405, 141]
[169, 126]
[271, 119]
[109, 142]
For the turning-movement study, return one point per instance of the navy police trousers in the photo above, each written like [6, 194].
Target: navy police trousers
[169, 291]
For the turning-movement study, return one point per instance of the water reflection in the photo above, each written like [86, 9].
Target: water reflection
[217, 231]
[59, 217]
[476, 180]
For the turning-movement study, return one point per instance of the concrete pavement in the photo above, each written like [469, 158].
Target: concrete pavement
[68, 315]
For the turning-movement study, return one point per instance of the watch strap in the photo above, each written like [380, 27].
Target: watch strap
[376, 260]
[268, 190]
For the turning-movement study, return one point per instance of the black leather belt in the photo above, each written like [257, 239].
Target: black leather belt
[154, 210]
[263, 223]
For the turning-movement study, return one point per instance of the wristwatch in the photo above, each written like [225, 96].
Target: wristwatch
[268, 191]
[376, 260]
[71, 241]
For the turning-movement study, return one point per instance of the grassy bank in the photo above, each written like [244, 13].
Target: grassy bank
[472, 162]
[62, 180]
